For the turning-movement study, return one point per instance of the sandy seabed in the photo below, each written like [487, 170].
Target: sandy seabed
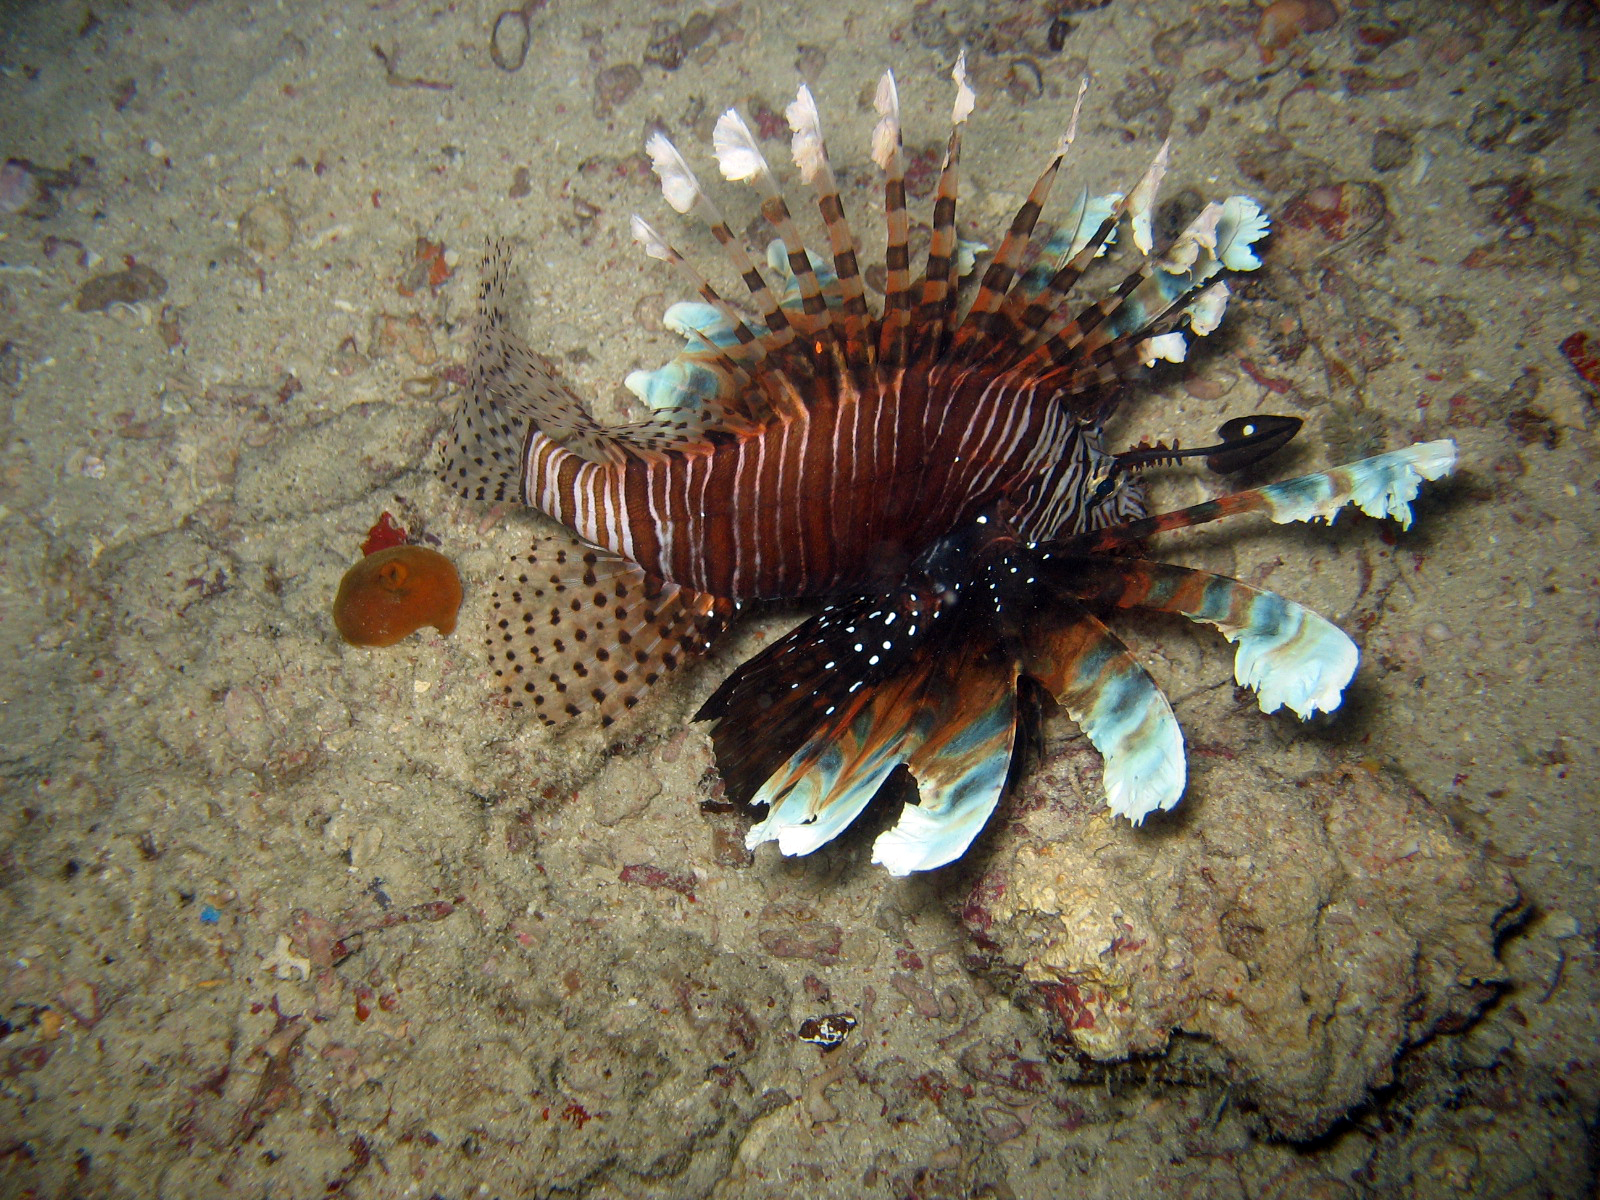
[285, 918]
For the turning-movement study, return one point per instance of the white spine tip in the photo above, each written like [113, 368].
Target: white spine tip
[886, 135]
[738, 156]
[654, 244]
[887, 100]
[678, 183]
[1164, 156]
[966, 98]
[1077, 108]
[806, 122]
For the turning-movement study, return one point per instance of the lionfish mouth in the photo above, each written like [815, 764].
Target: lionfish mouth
[935, 477]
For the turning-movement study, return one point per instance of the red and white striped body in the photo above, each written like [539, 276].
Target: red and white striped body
[836, 498]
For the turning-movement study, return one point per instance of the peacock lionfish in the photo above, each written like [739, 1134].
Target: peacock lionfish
[937, 480]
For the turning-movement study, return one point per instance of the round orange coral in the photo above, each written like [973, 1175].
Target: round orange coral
[395, 592]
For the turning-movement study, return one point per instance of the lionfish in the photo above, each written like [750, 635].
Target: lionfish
[937, 479]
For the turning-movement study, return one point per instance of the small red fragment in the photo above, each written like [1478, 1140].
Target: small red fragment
[1270, 382]
[1379, 36]
[1069, 1005]
[383, 535]
[429, 268]
[577, 1114]
[1284, 20]
[1584, 359]
[646, 875]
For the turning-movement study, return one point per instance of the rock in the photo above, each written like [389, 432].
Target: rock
[1318, 220]
[1391, 150]
[623, 793]
[267, 227]
[137, 283]
[1308, 930]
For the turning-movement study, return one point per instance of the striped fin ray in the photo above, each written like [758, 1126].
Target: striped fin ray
[747, 349]
[1381, 486]
[1034, 305]
[1290, 656]
[1046, 317]
[719, 373]
[986, 321]
[968, 726]
[888, 153]
[1113, 699]
[1092, 348]
[811, 156]
[1217, 240]
[684, 193]
[575, 630]
[741, 161]
[937, 303]
[1089, 229]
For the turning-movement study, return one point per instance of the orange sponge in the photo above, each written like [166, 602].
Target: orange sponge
[395, 592]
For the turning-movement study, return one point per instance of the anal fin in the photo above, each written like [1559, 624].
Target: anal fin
[575, 630]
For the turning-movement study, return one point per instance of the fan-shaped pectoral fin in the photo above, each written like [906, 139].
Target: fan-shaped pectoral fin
[1289, 655]
[1116, 703]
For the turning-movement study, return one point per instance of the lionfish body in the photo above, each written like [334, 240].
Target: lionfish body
[937, 480]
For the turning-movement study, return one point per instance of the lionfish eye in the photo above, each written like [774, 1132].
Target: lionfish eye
[1245, 441]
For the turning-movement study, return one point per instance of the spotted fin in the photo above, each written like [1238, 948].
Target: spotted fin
[509, 386]
[1116, 703]
[769, 712]
[575, 630]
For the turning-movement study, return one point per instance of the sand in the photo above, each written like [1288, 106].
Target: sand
[283, 917]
